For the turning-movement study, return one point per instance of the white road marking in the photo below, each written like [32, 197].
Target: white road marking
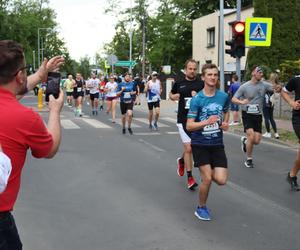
[68, 124]
[172, 133]
[152, 146]
[95, 123]
[147, 133]
[169, 119]
[146, 121]
[133, 125]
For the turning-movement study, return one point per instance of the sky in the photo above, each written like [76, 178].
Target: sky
[84, 26]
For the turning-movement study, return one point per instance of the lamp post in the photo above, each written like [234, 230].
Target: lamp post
[130, 50]
[39, 49]
[33, 59]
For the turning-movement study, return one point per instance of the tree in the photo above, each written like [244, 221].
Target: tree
[285, 33]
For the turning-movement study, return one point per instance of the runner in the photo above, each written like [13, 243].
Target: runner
[234, 108]
[294, 86]
[93, 86]
[182, 91]
[111, 97]
[102, 92]
[251, 96]
[153, 89]
[78, 94]
[69, 83]
[207, 118]
[126, 90]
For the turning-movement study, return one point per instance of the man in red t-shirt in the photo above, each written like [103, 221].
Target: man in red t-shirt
[21, 128]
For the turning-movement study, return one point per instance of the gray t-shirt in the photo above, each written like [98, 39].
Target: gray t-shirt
[255, 93]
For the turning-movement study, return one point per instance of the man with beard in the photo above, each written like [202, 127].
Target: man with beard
[183, 91]
[21, 128]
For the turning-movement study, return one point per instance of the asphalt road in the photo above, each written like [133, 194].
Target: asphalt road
[105, 190]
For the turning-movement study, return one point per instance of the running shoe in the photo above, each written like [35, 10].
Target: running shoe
[267, 135]
[243, 143]
[202, 213]
[123, 131]
[191, 183]
[101, 108]
[180, 166]
[293, 182]
[150, 126]
[130, 131]
[276, 135]
[155, 126]
[249, 163]
[93, 112]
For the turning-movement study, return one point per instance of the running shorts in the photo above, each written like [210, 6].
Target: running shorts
[252, 121]
[213, 155]
[153, 104]
[125, 106]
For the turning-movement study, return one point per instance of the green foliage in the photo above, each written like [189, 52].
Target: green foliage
[285, 33]
[168, 31]
[289, 69]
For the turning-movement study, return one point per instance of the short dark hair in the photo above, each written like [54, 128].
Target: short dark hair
[208, 66]
[235, 77]
[190, 60]
[11, 59]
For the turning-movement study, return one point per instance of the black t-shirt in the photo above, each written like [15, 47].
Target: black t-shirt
[79, 87]
[185, 88]
[294, 85]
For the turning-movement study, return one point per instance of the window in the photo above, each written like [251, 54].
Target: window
[210, 37]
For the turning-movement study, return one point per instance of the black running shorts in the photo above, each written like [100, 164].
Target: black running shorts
[125, 106]
[296, 125]
[213, 155]
[153, 104]
[252, 121]
[94, 96]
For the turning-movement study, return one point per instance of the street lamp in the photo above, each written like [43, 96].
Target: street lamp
[39, 49]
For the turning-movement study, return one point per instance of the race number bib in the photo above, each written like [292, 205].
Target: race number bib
[211, 128]
[187, 102]
[252, 109]
[155, 98]
[127, 95]
[79, 89]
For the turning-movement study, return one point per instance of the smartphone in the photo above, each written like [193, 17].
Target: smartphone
[53, 83]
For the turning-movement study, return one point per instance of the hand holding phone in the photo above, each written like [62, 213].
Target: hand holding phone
[53, 82]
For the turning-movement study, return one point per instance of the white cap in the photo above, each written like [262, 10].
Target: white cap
[154, 73]
[5, 170]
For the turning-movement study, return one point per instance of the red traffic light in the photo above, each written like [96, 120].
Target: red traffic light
[238, 27]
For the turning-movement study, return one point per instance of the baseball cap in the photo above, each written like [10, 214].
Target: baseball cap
[154, 73]
[5, 170]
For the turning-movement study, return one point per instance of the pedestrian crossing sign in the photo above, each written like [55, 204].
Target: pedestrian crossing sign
[258, 31]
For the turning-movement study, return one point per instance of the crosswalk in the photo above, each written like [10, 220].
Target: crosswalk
[141, 124]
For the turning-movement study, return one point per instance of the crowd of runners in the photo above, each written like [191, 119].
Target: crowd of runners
[202, 116]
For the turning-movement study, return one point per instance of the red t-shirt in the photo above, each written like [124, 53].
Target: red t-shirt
[20, 129]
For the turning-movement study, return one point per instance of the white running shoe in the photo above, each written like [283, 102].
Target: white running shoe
[276, 135]
[267, 135]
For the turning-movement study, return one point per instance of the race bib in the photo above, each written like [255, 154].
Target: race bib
[155, 98]
[211, 128]
[187, 102]
[79, 89]
[127, 95]
[252, 109]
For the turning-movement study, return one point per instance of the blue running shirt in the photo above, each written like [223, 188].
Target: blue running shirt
[201, 108]
[126, 97]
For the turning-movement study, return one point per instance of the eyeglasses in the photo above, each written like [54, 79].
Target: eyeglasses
[27, 67]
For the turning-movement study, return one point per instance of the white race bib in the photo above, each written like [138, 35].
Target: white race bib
[187, 102]
[127, 95]
[211, 128]
[79, 89]
[252, 109]
[155, 98]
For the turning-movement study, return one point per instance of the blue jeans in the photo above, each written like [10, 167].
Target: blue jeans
[9, 236]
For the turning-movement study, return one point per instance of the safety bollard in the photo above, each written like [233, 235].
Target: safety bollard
[40, 98]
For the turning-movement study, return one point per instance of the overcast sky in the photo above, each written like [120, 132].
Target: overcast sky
[84, 26]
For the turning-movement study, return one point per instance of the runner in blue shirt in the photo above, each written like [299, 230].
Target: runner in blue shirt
[126, 91]
[207, 118]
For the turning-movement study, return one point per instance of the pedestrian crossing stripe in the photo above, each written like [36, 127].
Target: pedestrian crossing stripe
[68, 124]
[95, 123]
[169, 119]
[146, 121]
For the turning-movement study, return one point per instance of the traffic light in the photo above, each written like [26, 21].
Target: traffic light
[237, 43]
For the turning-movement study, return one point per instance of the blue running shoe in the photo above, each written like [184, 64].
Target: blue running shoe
[155, 126]
[202, 213]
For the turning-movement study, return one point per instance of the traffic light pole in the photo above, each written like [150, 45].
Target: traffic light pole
[238, 59]
[221, 46]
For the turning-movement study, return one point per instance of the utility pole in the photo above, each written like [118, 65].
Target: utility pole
[130, 39]
[144, 43]
[238, 59]
[221, 45]
[33, 60]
